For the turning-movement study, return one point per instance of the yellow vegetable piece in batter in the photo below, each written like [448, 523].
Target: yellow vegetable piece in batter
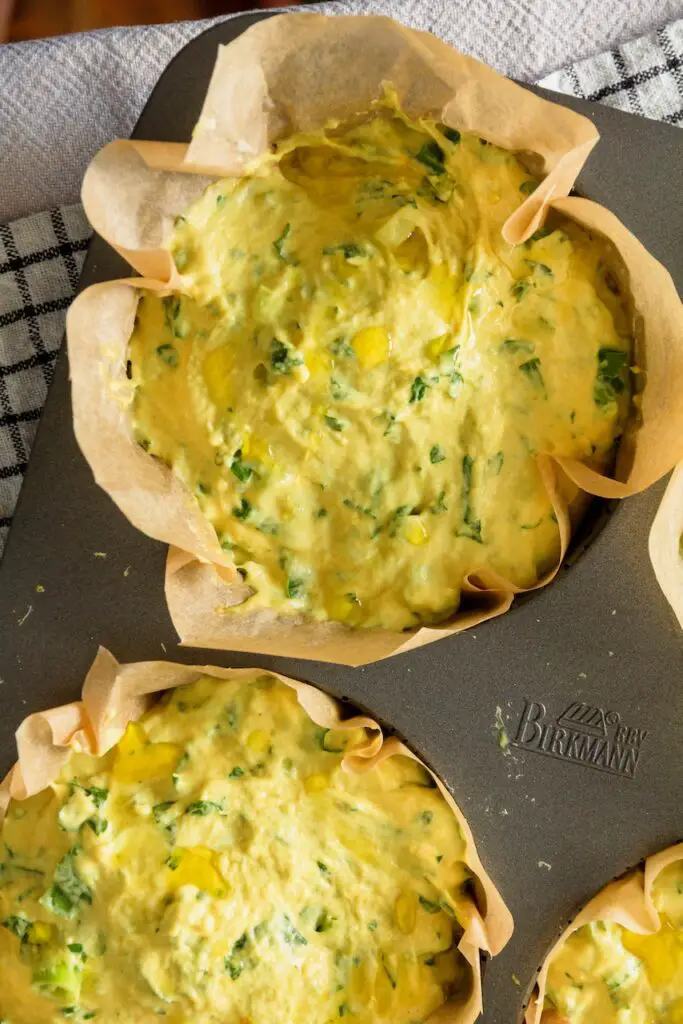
[406, 912]
[252, 879]
[137, 760]
[360, 372]
[371, 346]
[195, 867]
[605, 974]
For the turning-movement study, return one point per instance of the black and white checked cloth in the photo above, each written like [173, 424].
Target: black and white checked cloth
[40, 263]
[41, 255]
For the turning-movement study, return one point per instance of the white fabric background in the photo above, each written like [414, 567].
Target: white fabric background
[62, 99]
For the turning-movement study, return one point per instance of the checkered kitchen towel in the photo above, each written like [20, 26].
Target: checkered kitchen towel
[41, 255]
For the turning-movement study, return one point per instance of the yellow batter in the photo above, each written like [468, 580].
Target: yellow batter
[605, 974]
[219, 866]
[360, 372]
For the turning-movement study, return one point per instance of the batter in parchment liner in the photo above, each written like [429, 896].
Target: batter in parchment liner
[140, 197]
[621, 958]
[223, 843]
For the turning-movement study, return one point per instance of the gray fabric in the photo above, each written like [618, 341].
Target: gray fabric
[62, 99]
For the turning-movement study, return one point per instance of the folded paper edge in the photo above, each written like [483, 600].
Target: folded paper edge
[665, 543]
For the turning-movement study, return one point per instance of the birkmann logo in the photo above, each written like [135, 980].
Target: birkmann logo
[583, 734]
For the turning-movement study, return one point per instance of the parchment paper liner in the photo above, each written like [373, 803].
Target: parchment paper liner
[627, 902]
[286, 74]
[666, 544]
[115, 694]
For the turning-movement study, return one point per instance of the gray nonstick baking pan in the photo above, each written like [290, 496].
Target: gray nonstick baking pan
[585, 677]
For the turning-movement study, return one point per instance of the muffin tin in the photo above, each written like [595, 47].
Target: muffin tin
[557, 726]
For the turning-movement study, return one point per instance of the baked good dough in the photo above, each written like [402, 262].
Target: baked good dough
[238, 852]
[358, 372]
